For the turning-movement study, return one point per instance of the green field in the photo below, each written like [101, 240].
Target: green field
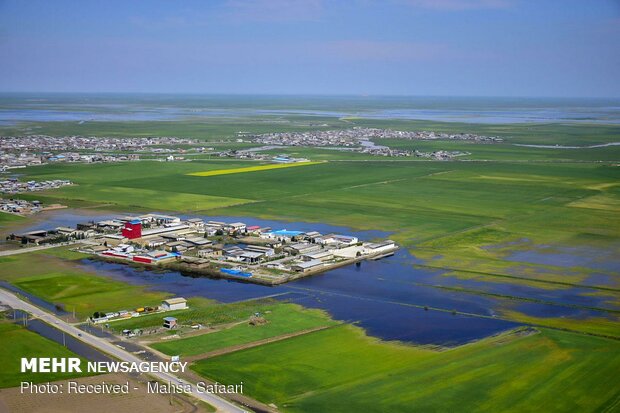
[201, 311]
[18, 342]
[462, 216]
[48, 275]
[10, 219]
[341, 370]
[96, 186]
[212, 132]
[470, 218]
[281, 319]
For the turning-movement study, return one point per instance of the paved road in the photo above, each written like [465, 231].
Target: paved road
[101, 344]
[39, 248]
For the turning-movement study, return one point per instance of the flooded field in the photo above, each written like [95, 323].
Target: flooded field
[392, 298]
[95, 108]
[569, 257]
[52, 333]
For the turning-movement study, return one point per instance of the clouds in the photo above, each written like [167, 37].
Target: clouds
[296, 46]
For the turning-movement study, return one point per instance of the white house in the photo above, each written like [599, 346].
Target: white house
[178, 303]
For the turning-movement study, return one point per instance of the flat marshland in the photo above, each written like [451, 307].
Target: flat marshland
[535, 229]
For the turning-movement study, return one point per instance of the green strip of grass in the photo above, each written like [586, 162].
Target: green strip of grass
[342, 370]
[18, 342]
[201, 311]
[281, 319]
[6, 219]
[278, 371]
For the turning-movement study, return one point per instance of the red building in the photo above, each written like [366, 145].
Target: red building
[132, 230]
[144, 260]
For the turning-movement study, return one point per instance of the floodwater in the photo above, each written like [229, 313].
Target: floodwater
[19, 108]
[54, 334]
[385, 297]
[600, 259]
[66, 218]
[354, 294]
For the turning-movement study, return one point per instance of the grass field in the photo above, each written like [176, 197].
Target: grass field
[212, 132]
[341, 370]
[281, 319]
[202, 311]
[19, 342]
[453, 215]
[6, 219]
[468, 217]
[143, 198]
[96, 186]
[257, 168]
[49, 276]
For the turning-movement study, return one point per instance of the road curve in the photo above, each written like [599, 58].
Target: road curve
[15, 302]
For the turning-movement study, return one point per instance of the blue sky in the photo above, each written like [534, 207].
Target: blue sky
[393, 47]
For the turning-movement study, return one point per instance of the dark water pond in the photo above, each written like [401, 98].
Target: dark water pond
[550, 311]
[353, 294]
[52, 333]
[67, 218]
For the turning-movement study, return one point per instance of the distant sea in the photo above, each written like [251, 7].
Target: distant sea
[18, 108]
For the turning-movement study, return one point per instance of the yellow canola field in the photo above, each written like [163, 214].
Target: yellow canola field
[252, 168]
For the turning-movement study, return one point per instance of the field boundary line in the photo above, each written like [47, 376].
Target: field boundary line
[239, 347]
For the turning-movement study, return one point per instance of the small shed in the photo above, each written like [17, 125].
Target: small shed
[178, 303]
[170, 322]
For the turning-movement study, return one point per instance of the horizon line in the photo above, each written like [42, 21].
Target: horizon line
[291, 94]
